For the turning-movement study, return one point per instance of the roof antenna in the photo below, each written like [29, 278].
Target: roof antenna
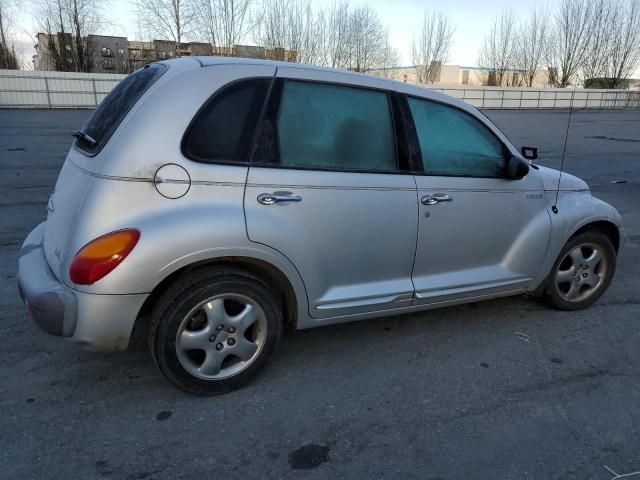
[564, 150]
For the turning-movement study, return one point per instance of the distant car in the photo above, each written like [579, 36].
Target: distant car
[215, 202]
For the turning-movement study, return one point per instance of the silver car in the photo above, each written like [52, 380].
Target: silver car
[214, 203]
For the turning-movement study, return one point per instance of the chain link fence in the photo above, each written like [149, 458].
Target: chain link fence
[31, 89]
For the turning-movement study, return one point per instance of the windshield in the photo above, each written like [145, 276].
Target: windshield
[106, 118]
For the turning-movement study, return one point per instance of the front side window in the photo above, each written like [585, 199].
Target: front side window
[453, 142]
[222, 130]
[335, 127]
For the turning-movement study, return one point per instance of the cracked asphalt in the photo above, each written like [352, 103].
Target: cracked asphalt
[503, 389]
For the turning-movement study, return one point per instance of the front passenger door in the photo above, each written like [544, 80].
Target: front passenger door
[480, 234]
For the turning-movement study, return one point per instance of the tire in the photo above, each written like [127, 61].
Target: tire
[578, 279]
[213, 330]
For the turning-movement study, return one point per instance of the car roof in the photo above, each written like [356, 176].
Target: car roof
[408, 88]
[412, 89]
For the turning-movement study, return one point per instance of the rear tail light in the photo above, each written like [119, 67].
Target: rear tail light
[100, 256]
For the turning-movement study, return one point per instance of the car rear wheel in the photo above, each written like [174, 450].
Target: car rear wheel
[214, 329]
[582, 273]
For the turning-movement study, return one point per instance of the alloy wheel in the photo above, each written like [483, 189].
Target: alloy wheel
[581, 272]
[221, 336]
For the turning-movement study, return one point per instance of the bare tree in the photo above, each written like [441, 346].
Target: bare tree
[568, 43]
[530, 47]
[222, 23]
[8, 58]
[624, 53]
[431, 47]
[336, 36]
[390, 58]
[497, 53]
[66, 25]
[366, 40]
[287, 25]
[166, 19]
[603, 28]
[305, 32]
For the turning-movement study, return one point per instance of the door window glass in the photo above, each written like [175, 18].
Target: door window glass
[335, 127]
[453, 142]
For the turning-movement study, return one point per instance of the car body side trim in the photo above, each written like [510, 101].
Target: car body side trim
[457, 289]
[152, 180]
[364, 302]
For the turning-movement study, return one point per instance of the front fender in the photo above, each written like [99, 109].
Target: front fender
[575, 211]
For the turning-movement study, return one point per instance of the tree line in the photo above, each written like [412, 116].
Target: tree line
[340, 36]
[578, 40]
[592, 41]
[8, 57]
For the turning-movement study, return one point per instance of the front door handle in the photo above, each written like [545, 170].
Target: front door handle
[437, 198]
[273, 198]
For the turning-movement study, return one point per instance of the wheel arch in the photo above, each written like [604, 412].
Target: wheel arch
[269, 273]
[605, 227]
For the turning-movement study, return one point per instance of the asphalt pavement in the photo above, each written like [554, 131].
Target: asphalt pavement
[506, 389]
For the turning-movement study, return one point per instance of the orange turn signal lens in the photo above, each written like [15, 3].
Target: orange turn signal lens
[100, 256]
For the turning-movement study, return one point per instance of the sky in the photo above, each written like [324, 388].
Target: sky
[472, 20]
[403, 17]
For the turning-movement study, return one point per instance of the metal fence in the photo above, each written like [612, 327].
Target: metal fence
[549, 98]
[31, 89]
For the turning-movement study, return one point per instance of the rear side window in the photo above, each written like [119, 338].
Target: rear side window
[115, 106]
[335, 127]
[453, 142]
[222, 130]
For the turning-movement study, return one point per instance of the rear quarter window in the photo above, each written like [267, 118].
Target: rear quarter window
[222, 131]
[116, 105]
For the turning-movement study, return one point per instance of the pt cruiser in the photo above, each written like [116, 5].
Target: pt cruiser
[215, 202]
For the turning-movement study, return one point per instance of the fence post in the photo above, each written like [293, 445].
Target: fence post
[46, 87]
[555, 100]
[484, 93]
[95, 94]
[521, 93]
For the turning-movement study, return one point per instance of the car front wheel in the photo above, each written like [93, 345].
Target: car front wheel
[583, 271]
[214, 329]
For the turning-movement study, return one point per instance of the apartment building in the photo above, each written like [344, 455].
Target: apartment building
[111, 54]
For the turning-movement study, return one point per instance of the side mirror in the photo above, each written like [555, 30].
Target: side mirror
[517, 167]
[530, 153]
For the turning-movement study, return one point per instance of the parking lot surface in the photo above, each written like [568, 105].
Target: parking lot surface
[503, 389]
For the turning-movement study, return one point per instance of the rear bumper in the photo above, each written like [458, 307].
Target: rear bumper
[52, 306]
[95, 322]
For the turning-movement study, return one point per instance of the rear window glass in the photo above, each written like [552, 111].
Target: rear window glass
[115, 106]
[223, 129]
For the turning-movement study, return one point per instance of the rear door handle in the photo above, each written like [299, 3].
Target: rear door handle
[437, 198]
[273, 198]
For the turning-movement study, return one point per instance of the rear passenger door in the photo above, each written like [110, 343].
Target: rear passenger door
[328, 188]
